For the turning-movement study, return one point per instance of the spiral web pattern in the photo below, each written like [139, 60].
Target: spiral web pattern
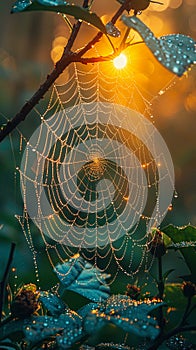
[96, 175]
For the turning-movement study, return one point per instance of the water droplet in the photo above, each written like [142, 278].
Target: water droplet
[170, 208]
[52, 2]
[21, 5]
[112, 30]
[176, 51]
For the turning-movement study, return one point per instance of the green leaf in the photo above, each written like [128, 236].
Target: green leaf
[111, 346]
[184, 239]
[11, 328]
[176, 52]
[53, 303]
[176, 303]
[167, 273]
[6, 345]
[39, 328]
[83, 311]
[167, 241]
[81, 277]
[130, 315]
[60, 7]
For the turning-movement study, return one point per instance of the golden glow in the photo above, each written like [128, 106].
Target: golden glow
[96, 160]
[190, 101]
[175, 4]
[158, 7]
[57, 48]
[56, 53]
[120, 61]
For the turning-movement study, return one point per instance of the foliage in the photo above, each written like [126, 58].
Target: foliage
[60, 6]
[51, 322]
[183, 239]
[81, 277]
[175, 52]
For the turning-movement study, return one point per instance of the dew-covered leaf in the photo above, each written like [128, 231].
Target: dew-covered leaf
[70, 270]
[83, 311]
[105, 346]
[175, 52]
[60, 6]
[52, 303]
[53, 2]
[8, 345]
[81, 277]
[112, 346]
[11, 328]
[130, 315]
[69, 336]
[21, 5]
[184, 239]
[73, 331]
[42, 327]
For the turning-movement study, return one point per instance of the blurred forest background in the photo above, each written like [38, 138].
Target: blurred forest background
[28, 53]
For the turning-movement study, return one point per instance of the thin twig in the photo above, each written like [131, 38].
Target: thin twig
[5, 276]
[120, 11]
[67, 58]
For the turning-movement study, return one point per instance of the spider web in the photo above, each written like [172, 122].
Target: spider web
[96, 175]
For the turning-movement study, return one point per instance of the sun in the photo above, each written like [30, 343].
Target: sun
[120, 61]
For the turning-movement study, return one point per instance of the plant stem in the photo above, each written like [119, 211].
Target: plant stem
[161, 291]
[161, 282]
[181, 327]
[170, 334]
[186, 312]
[5, 276]
[67, 58]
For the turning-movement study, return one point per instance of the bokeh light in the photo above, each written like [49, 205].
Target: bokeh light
[174, 4]
[158, 7]
[57, 48]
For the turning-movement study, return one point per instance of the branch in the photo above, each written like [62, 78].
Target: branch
[34, 100]
[67, 58]
[120, 11]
